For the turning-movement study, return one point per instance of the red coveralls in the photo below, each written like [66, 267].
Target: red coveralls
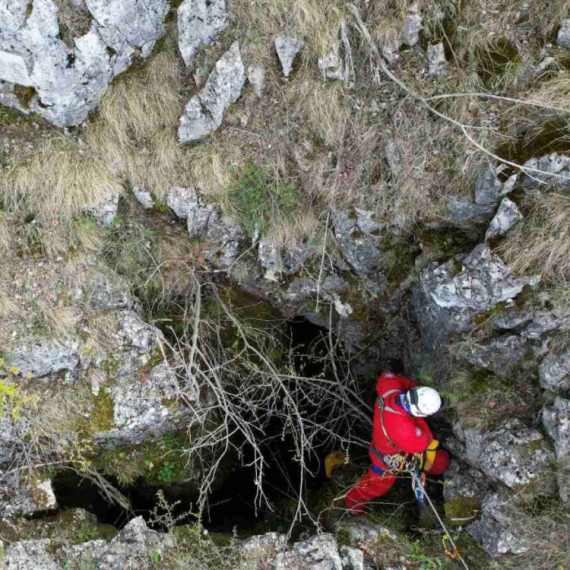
[408, 434]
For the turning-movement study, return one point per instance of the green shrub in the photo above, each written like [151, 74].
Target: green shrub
[259, 199]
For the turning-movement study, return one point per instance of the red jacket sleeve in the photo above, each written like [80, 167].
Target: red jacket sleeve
[412, 435]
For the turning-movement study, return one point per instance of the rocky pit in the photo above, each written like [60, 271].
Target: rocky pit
[176, 361]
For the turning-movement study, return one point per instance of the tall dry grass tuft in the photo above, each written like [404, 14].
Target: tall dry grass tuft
[540, 243]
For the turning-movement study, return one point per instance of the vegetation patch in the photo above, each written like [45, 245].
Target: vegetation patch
[261, 201]
[103, 414]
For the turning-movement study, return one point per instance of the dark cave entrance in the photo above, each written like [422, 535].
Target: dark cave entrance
[232, 504]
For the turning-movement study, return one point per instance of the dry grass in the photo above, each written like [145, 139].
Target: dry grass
[541, 242]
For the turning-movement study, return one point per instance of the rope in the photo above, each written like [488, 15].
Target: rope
[447, 536]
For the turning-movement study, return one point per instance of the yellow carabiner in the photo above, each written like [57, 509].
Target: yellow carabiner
[446, 541]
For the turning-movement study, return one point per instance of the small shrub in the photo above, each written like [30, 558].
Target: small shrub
[259, 200]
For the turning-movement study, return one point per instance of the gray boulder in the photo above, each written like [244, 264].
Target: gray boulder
[200, 22]
[351, 558]
[563, 38]
[105, 289]
[287, 49]
[359, 239]
[331, 66]
[547, 171]
[256, 76]
[105, 211]
[499, 355]
[318, 552]
[556, 422]
[507, 216]
[533, 323]
[37, 554]
[40, 358]
[495, 531]
[69, 82]
[463, 492]
[461, 210]
[20, 497]
[143, 197]
[205, 111]
[182, 201]
[437, 64]
[287, 260]
[412, 27]
[487, 187]
[554, 372]
[448, 296]
[513, 453]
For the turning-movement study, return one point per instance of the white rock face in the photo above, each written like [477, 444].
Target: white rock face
[204, 112]
[412, 27]
[554, 372]
[494, 531]
[287, 49]
[563, 38]
[446, 299]
[437, 65]
[69, 82]
[200, 22]
[507, 216]
[105, 211]
[256, 76]
[143, 197]
[513, 454]
[556, 421]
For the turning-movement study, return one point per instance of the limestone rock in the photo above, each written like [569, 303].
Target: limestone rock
[69, 82]
[554, 372]
[256, 76]
[287, 49]
[204, 112]
[533, 324]
[460, 210]
[413, 26]
[200, 22]
[39, 358]
[143, 197]
[19, 497]
[182, 201]
[104, 289]
[351, 558]
[264, 545]
[513, 453]
[331, 66]
[506, 217]
[449, 295]
[556, 421]
[494, 530]
[105, 211]
[547, 171]
[363, 531]
[437, 65]
[487, 187]
[37, 554]
[499, 355]
[318, 552]
[287, 260]
[563, 38]
[463, 491]
[358, 238]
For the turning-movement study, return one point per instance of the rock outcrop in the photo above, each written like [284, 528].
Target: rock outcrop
[66, 82]
[220, 235]
[556, 421]
[200, 22]
[448, 296]
[204, 112]
[287, 49]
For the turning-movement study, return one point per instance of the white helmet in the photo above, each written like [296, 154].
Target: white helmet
[423, 401]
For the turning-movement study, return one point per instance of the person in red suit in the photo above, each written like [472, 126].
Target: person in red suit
[399, 428]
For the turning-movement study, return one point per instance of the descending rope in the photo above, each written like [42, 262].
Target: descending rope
[455, 554]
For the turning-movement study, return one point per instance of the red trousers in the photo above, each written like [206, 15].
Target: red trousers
[372, 485]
